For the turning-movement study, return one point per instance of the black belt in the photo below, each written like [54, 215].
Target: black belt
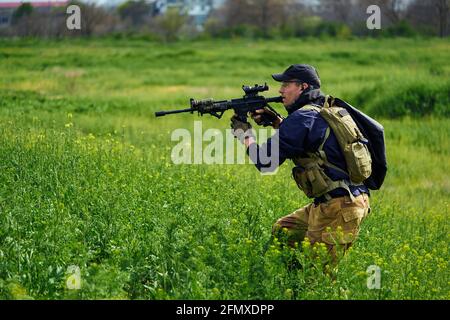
[322, 199]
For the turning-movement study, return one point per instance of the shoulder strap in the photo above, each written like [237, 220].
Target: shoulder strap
[320, 155]
[311, 107]
[329, 101]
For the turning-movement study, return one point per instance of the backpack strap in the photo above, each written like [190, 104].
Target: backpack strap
[321, 157]
[320, 154]
[329, 101]
[311, 107]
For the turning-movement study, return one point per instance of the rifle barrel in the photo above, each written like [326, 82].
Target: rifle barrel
[274, 99]
[163, 113]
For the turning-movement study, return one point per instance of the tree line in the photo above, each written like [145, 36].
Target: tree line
[239, 18]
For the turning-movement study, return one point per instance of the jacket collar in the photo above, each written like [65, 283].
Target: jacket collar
[310, 96]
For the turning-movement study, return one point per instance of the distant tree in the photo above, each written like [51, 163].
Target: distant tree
[339, 10]
[262, 14]
[393, 10]
[23, 21]
[430, 15]
[24, 10]
[136, 12]
[442, 8]
[94, 20]
[237, 12]
[51, 22]
[300, 19]
[270, 14]
[170, 24]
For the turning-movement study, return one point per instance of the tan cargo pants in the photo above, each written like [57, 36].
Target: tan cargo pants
[336, 221]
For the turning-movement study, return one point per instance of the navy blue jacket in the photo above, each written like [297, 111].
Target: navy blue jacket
[303, 131]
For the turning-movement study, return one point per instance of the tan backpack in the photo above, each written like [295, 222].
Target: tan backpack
[310, 176]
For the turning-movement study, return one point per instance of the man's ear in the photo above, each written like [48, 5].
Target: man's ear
[305, 86]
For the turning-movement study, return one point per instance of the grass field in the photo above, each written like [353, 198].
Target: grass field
[87, 178]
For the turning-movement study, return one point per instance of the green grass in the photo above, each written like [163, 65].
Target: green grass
[87, 177]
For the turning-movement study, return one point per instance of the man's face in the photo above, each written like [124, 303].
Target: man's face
[290, 91]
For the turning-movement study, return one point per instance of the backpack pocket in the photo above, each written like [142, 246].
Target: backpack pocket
[311, 180]
[359, 161]
[357, 155]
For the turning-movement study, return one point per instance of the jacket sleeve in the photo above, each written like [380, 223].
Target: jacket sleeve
[288, 141]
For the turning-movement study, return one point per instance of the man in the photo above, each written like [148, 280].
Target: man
[333, 218]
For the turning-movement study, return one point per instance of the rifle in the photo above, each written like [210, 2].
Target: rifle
[250, 102]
